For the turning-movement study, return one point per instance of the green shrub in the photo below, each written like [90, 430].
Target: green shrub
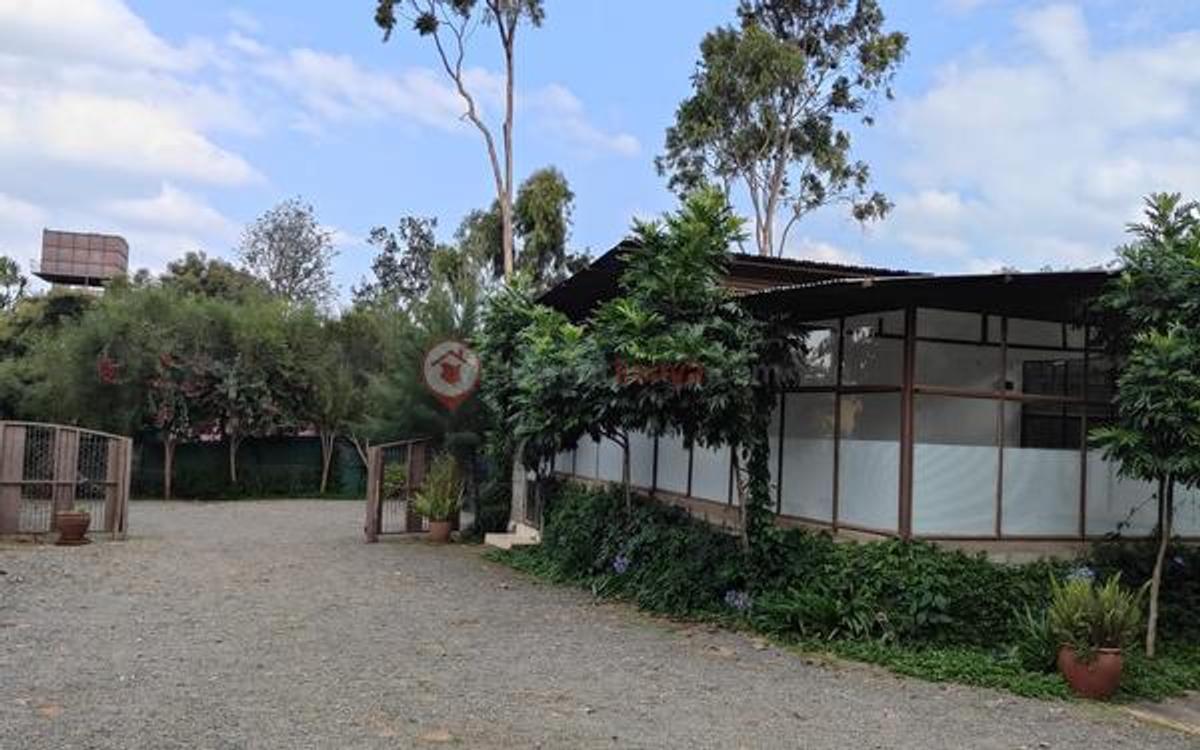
[1036, 647]
[911, 606]
[440, 496]
[395, 481]
[1179, 599]
[1089, 617]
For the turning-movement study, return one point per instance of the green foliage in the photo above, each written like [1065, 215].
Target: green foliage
[1036, 647]
[395, 481]
[913, 607]
[441, 494]
[1151, 317]
[769, 109]
[1180, 595]
[289, 250]
[1089, 617]
[198, 275]
[12, 283]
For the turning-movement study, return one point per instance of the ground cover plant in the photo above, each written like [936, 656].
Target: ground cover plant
[909, 606]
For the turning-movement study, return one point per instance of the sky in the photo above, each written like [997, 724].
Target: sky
[1022, 134]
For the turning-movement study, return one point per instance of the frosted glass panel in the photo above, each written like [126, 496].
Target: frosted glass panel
[641, 460]
[1041, 492]
[869, 461]
[611, 457]
[710, 474]
[873, 349]
[587, 457]
[1187, 512]
[808, 456]
[971, 366]
[773, 444]
[672, 464]
[956, 466]
[1112, 500]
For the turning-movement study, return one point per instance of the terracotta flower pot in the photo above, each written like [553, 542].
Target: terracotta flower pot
[1097, 679]
[72, 526]
[439, 531]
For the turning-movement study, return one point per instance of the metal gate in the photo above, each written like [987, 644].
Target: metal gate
[46, 468]
[389, 504]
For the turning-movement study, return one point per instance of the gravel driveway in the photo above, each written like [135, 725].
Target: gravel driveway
[271, 625]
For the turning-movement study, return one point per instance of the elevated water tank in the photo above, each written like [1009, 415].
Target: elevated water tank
[82, 258]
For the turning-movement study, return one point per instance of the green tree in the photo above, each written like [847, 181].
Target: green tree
[769, 107]
[289, 250]
[197, 274]
[542, 215]
[1152, 310]
[449, 24]
[12, 283]
[403, 264]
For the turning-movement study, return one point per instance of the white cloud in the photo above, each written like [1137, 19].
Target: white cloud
[1042, 158]
[822, 252]
[561, 113]
[77, 129]
[93, 31]
[243, 20]
[173, 209]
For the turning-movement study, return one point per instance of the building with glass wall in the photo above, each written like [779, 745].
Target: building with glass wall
[951, 408]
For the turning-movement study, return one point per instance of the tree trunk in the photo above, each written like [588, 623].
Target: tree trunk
[234, 442]
[744, 530]
[626, 478]
[506, 207]
[327, 440]
[168, 467]
[1166, 502]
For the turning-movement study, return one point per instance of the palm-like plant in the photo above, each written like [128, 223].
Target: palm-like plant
[440, 497]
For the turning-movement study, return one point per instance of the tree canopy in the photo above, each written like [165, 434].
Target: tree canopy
[289, 250]
[771, 103]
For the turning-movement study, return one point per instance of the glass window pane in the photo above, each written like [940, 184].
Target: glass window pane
[955, 466]
[873, 349]
[1041, 471]
[815, 352]
[587, 457]
[641, 460]
[672, 464]
[971, 366]
[949, 324]
[1035, 332]
[869, 461]
[1040, 372]
[710, 473]
[1115, 505]
[808, 456]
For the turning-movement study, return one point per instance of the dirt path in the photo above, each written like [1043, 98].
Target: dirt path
[270, 625]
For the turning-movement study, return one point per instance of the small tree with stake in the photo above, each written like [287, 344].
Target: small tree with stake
[1153, 313]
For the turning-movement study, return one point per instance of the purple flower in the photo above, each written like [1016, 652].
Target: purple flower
[739, 600]
[620, 564]
[1082, 573]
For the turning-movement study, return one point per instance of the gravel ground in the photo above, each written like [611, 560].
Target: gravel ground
[271, 625]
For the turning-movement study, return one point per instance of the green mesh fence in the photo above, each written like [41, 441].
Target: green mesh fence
[267, 467]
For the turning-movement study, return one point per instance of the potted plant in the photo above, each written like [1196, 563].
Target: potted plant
[440, 497]
[1092, 624]
[72, 526]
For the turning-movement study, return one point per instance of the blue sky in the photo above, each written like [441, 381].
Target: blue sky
[1023, 134]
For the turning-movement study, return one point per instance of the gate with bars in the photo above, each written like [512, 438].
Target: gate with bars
[394, 472]
[46, 468]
